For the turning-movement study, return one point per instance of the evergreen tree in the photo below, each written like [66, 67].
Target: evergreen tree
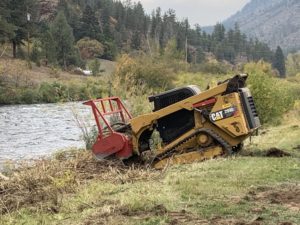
[64, 41]
[6, 28]
[139, 15]
[219, 32]
[153, 25]
[63, 6]
[136, 40]
[89, 25]
[18, 17]
[120, 15]
[123, 26]
[72, 15]
[156, 25]
[279, 62]
[47, 43]
[236, 38]
[105, 20]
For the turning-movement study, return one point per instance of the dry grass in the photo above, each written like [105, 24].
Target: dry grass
[19, 74]
[22, 85]
[18, 70]
[74, 188]
[42, 184]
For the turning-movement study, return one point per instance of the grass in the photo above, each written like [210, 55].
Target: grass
[239, 189]
[73, 188]
[206, 190]
[284, 136]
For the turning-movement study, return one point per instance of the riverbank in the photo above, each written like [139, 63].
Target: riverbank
[258, 186]
[21, 85]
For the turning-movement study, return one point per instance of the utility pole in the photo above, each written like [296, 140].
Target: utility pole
[28, 15]
[186, 49]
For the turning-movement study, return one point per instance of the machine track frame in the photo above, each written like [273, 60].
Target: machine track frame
[169, 153]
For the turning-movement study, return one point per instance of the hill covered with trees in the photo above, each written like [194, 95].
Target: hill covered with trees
[69, 32]
[276, 22]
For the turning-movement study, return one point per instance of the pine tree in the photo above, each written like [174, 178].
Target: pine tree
[72, 15]
[89, 25]
[219, 32]
[47, 43]
[279, 62]
[139, 14]
[64, 40]
[18, 17]
[153, 25]
[105, 20]
[124, 26]
[136, 40]
[236, 39]
[6, 28]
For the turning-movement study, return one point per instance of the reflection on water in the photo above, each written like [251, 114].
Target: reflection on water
[31, 131]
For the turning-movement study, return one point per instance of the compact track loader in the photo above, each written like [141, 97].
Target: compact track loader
[191, 125]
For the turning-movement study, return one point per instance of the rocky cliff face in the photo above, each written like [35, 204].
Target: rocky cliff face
[276, 22]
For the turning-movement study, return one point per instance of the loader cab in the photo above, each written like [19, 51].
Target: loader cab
[166, 126]
[172, 96]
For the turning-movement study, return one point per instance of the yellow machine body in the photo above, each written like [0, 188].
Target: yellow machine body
[186, 125]
[221, 130]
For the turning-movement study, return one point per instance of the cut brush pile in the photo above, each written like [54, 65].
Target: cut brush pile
[42, 184]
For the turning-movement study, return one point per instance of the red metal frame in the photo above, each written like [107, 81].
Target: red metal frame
[102, 111]
[113, 142]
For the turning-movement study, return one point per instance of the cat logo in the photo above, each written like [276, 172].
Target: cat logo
[216, 116]
[222, 114]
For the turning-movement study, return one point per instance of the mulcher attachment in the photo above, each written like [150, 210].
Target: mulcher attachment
[111, 118]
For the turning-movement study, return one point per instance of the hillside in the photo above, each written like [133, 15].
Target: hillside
[40, 84]
[71, 32]
[276, 22]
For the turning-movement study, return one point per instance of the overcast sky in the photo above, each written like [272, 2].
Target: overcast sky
[203, 12]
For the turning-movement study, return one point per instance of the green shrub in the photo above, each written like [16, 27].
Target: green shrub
[293, 64]
[94, 65]
[9, 96]
[55, 92]
[144, 71]
[90, 48]
[35, 55]
[47, 94]
[74, 91]
[271, 95]
[90, 138]
[29, 96]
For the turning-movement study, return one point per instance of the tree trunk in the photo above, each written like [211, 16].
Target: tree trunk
[14, 49]
[65, 62]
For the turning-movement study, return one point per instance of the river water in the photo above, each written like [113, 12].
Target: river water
[33, 131]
